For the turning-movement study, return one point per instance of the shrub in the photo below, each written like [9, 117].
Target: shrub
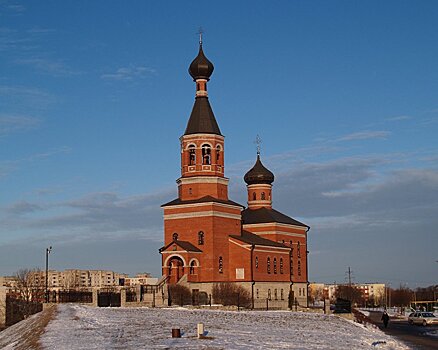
[231, 294]
[179, 295]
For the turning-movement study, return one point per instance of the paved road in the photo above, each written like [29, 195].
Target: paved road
[416, 337]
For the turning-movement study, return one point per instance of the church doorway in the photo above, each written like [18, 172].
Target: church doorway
[175, 269]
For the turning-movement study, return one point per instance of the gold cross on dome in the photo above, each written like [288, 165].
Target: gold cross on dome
[258, 142]
[200, 32]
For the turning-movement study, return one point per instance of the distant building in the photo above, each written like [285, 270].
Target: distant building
[77, 279]
[8, 281]
[71, 279]
[370, 291]
[141, 279]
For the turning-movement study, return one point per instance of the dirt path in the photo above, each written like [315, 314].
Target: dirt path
[25, 335]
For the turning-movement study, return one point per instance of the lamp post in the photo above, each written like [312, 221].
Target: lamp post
[48, 250]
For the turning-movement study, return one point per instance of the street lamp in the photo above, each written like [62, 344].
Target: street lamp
[48, 250]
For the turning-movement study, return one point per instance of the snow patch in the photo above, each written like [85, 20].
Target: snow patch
[84, 327]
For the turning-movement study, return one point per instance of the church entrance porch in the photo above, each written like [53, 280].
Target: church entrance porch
[175, 267]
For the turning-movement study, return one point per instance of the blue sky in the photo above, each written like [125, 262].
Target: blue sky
[95, 95]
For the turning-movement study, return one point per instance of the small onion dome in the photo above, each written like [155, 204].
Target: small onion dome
[259, 174]
[201, 67]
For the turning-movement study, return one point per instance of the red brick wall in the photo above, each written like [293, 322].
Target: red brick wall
[216, 230]
[282, 234]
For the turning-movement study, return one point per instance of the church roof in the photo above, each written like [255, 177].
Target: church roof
[265, 215]
[205, 199]
[259, 174]
[252, 238]
[187, 246]
[202, 120]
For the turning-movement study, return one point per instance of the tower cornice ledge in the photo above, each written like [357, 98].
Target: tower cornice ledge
[201, 136]
[203, 179]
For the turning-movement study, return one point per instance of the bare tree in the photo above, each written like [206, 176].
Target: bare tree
[316, 293]
[29, 291]
[401, 296]
[72, 280]
[226, 293]
[2, 308]
[351, 293]
[427, 293]
[179, 294]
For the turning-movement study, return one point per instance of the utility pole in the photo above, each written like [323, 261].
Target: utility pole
[350, 290]
[388, 296]
[48, 250]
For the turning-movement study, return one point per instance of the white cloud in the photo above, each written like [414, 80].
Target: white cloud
[351, 206]
[129, 73]
[22, 90]
[11, 7]
[399, 118]
[55, 68]
[14, 123]
[104, 213]
[6, 167]
[16, 8]
[365, 135]
[49, 153]
[23, 207]
[25, 97]
[39, 30]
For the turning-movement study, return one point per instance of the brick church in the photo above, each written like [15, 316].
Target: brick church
[210, 239]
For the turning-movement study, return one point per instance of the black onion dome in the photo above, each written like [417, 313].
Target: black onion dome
[259, 174]
[201, 67]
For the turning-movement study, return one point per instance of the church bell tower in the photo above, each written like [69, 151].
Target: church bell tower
[202, 145]
[197, 224]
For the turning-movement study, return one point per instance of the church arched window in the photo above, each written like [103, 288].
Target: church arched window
[269, 294]
[218, 154]
[281, 294]
[221, 265]
[200, 237]
[298, 250]
[192, 155]
[175, 236]
[263, 196]
[254, 196]
[192, 267]
[206, 154]
[299, 268]
[275, 294]
[281, 265]
[275, 265]
[257, 262]
[291, 266]
[268, 265]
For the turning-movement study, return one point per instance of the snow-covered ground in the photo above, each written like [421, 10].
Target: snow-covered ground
[83, 327]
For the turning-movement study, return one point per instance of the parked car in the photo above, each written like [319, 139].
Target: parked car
[423, 318]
